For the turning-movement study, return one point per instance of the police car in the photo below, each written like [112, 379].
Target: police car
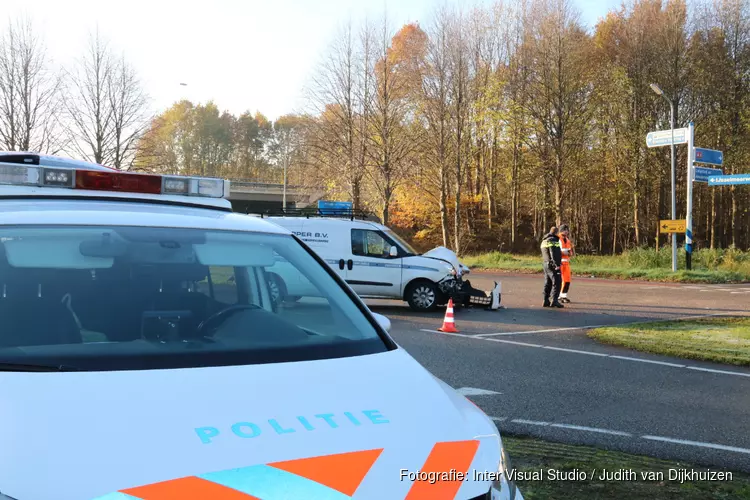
[142, 357]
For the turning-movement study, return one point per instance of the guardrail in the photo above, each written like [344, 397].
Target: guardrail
[264, 185]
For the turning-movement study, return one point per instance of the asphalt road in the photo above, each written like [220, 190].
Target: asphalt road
[551, 381]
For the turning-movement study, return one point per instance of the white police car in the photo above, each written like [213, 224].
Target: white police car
[142, 357]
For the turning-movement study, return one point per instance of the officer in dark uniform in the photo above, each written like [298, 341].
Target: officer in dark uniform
[552, 259]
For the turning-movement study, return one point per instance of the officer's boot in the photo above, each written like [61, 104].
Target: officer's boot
[557, 305]
[546, 302]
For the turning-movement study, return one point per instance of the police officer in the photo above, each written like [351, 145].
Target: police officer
[552, 260]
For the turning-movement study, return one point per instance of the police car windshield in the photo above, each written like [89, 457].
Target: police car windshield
[400, 241]
[124, 298]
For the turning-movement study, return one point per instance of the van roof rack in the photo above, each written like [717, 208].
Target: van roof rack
[333, 213]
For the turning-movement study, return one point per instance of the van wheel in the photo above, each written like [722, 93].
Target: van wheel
[422, 296]
[277, 288]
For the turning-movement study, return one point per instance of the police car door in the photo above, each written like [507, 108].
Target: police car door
[374, 272]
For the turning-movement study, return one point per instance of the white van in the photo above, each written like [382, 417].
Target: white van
[374, 261]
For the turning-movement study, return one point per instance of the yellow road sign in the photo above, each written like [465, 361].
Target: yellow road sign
[672, 226]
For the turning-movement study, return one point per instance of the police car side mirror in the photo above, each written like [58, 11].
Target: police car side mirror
[394, 251]
[383, 321]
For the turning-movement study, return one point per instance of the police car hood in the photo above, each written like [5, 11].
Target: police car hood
[338, 428]
[442, 253]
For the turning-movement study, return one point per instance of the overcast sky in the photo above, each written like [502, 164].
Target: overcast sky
[243, 54]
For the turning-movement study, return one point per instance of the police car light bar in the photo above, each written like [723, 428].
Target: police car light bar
[97, 180]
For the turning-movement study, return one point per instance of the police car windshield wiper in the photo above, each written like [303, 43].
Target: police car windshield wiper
[22, 367]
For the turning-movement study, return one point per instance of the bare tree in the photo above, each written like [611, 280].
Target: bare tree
[29, 92]
[436, 113]
[333, 92]
[128, 104]
[391, 139]
[459, 95]
[106, 110]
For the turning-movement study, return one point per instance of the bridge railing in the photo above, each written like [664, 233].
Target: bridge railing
[267, 184]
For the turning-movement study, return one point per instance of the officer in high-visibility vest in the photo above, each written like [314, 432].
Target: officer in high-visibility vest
[551, 261]
[566, 247]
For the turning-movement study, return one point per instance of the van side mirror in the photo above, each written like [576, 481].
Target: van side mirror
[383, 321]
[394, 251]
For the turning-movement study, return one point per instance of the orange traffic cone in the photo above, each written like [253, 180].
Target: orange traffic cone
[449, 323]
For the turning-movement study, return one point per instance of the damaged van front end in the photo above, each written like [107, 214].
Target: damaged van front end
[455, 286]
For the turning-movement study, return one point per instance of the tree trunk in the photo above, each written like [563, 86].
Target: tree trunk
[614, 228]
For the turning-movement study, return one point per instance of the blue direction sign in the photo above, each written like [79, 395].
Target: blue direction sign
[333, 207]
[728, 180]
[703, 173]
[664, 137]
[709, 156]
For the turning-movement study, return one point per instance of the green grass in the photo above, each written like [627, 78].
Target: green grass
[531, 454]
[709, 266]
[720, 339]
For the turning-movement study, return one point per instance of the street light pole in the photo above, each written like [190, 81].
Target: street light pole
[284, 196]
[658, 91]
[674, 186]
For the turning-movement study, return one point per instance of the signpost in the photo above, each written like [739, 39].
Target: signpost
[669, 137]
[728, 180]
[701, 174]
[672, 226]
[661, 138]
[691, 150]
[709, 156]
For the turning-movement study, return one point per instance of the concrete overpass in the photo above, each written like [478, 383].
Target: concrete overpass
[249, 195]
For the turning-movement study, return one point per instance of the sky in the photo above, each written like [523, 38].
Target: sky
[254, 55]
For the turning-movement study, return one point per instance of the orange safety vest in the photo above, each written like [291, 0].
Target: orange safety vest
[567, 249]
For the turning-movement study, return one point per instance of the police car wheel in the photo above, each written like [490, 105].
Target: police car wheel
[422, 296]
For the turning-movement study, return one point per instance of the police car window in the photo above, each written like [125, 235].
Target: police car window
[119, 298]
[369, 243]
[219, 283]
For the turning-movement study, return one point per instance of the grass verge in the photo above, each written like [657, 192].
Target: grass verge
[709, 266]
[529, 454]
[720, 339]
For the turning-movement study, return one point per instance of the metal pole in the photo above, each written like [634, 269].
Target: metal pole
[689, 214]
[284, 202]
[674, 191]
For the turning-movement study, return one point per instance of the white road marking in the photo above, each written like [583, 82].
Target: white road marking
[698, 443]
[627, 358]
[549, 330]
[525, 344]
[723, 372]
[474, 391]
[529, 422]
[576, 351]
[488, 337]
[649, 437]
[591, 327]
[592, 429]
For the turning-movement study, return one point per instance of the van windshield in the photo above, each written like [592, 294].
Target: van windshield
[401, 242]
[127, 298]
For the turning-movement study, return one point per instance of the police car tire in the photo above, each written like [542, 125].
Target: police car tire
[429, 285]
